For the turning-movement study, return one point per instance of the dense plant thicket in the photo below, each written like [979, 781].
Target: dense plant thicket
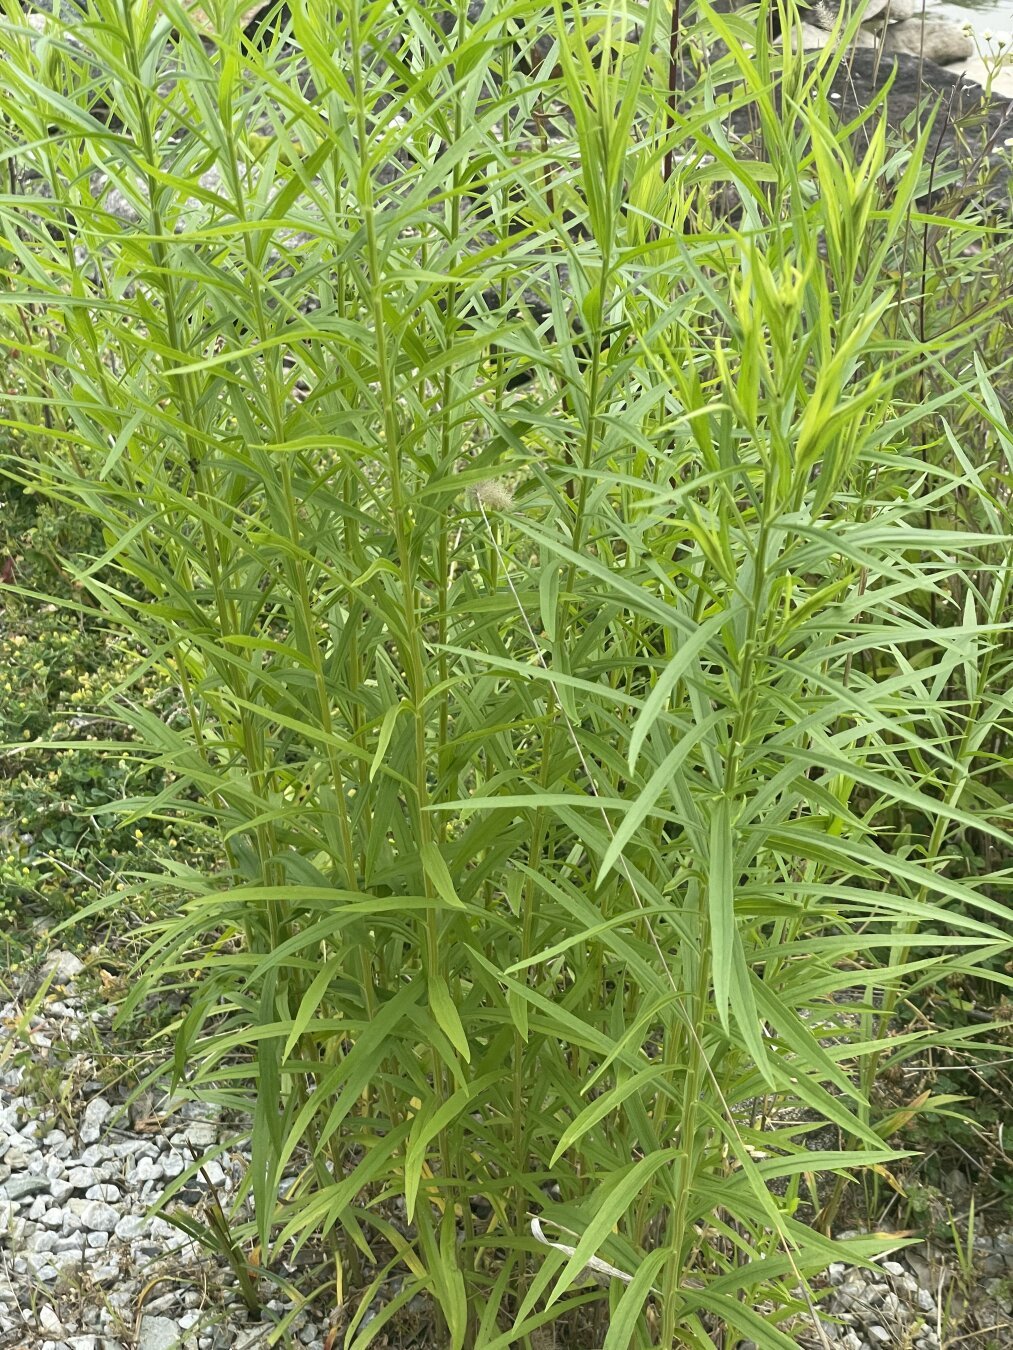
[574, 537]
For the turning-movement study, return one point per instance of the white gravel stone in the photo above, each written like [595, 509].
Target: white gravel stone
[99, 1217]
[158, 1333]
[64, 966]
[201, 1134]
[80, 1178]
[49, 1321]
[103, 1190]
[215, 1174]
[70, 1260]
[105, 1274]
[96, 1113]
[148, 1170]
[131, 1226]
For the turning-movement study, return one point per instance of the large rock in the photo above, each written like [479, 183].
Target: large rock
[824, 13]
[813, 38]
[895, 11]
[969, 129]
[931, 39]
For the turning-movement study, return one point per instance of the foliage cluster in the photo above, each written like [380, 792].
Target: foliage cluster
[575, 540]
[66, 836]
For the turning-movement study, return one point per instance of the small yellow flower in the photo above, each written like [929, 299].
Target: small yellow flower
[138, 834]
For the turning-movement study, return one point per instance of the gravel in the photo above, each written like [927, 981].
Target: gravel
[85, 1263]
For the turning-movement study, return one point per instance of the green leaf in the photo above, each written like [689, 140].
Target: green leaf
[383, 739]
[444, 1009]
[548, 597]
[674, 669]
[606, 1206]
[428, 1124]
[724, 938]
[623, 1322]
[439, 874]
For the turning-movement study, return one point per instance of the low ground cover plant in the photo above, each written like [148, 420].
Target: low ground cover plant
[574, 542]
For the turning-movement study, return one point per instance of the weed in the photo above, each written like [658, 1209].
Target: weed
[578, 842]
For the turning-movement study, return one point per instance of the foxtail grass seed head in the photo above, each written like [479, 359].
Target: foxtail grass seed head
[495, 494]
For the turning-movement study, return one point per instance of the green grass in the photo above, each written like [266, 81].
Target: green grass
[584, 591]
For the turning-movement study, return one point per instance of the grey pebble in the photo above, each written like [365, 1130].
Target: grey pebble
[148, 1170]
[201, 1134]
[80, 1178]
[173, 1164]
[49, 1321]
[157, 1333]
[96, 1113]
[19, 1188]
[105, 1274]
[103, 1190]
[99, 1217]
[93, 1155]
[64, 966]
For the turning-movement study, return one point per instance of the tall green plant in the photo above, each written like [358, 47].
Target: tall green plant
[576, 657]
